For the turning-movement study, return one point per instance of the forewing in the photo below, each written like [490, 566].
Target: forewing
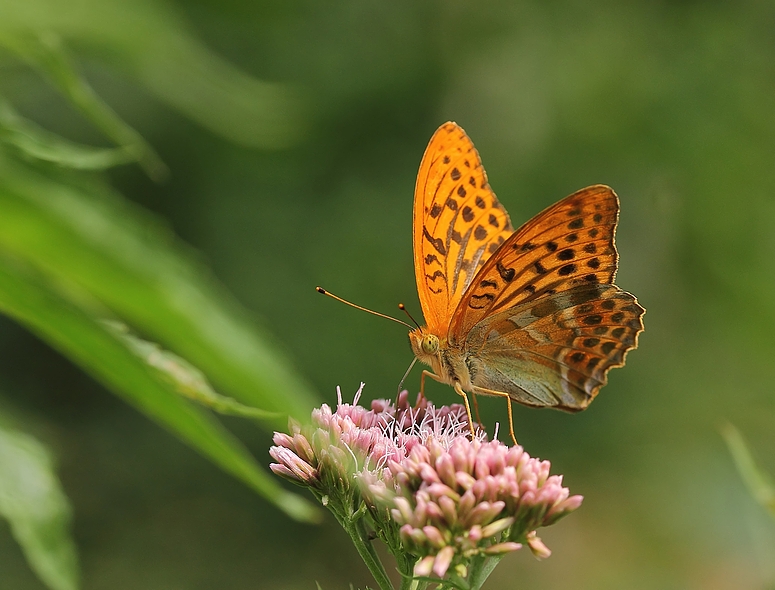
[565, 246]
[458, 223]
[557, 351]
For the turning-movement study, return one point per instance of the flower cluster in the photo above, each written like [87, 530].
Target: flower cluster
[442, 500]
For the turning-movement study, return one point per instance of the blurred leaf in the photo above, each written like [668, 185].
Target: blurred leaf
[150, 40]
[122, 257]
[45, 52]
[186, 379]
[35, 142]
[88, 342]
[32, 500]
[759, 483]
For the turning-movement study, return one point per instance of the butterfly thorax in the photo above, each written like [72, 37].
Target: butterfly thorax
[446, 360]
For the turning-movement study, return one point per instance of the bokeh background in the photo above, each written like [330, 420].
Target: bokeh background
[670, 103]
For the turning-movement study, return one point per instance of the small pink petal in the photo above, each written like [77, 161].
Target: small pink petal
[424, 567]
[443, 561]
[537, 546]
[496, 527]
[501, 548]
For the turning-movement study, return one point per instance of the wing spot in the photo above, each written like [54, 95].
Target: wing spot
[461, 191]
[591, 342]
[472, 181]
[480, 233]
[593, 233]
[601, 330]
[592, 362]
[467, 163]
[635, 324]
[617, 332]
[456, 237]
[577, 357]
[544, 308]
[608, 304]
[574, 212]
[539, 267]
[551, 246]
[507, 274]
[607, 347]
[480, 202]
[576, 224]
[487, 283]
[468, 214]
[530, 289]
[524, 247]
[493, 221]
[591, 278]
[431, 258]
[566, 270]
[435, 210]
[483, 299]
[594, 263]
[590, 248]
[586, 308]
[446, 159]
[493, 248]
[566, 254]
[455, 174]
[452, 204]
[437, 243]
[571, 237]
[617, 317]
[597, 218]
[591, 320]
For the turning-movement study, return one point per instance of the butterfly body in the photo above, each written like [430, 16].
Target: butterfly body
[531, 315]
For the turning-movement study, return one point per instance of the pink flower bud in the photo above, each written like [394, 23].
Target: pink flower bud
[537, 546]
[443, 561]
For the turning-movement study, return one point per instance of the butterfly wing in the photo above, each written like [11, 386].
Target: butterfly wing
[542, 320]
[557, 350]
[568, 244]
[458, 223]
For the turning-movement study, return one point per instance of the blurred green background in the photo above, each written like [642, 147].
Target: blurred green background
[293, 132]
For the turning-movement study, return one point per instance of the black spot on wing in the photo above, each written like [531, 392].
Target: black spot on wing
[437, 243]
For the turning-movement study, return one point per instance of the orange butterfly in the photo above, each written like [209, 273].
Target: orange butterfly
[531, 315]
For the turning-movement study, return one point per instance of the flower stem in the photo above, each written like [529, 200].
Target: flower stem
[481, 568]
[359, 536]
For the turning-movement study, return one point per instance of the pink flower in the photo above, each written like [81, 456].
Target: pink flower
[433, 494]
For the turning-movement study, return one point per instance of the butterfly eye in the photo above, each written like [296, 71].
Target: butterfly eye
[430, 344]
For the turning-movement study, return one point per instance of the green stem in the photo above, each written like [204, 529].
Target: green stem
[408, 583]
[481, 568]
[357, 532]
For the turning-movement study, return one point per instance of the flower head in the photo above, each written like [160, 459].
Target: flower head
[433, 492]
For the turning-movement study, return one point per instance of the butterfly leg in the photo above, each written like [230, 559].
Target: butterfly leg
[461, 393]
[476, 408]
[508, 401]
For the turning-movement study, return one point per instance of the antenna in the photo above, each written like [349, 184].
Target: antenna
[402, 307]
[382, 315]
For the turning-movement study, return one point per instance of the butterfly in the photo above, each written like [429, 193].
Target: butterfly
[530, 315]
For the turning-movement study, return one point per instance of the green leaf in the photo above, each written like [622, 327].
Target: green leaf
[37, 143]
[97, 243]
[46, 53]
[759, 483]
[26, 298]
[33, 502]
[186, 379]
[168, 60]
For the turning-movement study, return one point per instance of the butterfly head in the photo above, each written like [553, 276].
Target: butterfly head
[425, 345]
